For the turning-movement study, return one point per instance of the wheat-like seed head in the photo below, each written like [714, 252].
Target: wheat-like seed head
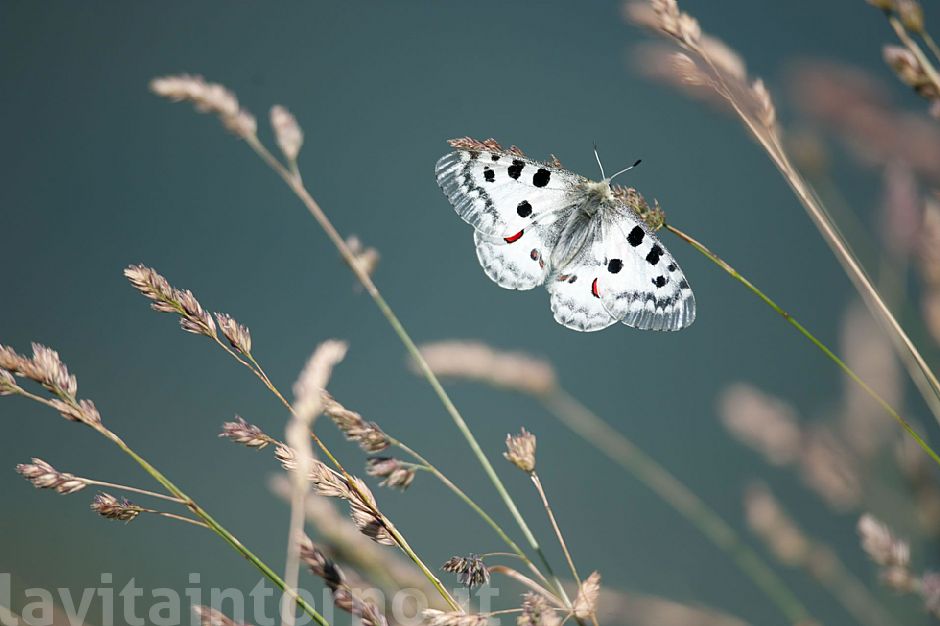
[585, 604]
[207, 98]
[113, 508]
[43, 476]
[287, 132]
[477, 361]
[520, 450]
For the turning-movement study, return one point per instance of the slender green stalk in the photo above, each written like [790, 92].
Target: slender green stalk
[297, 186]
[551, 517]
[145, 492]
[430, 467]
[625, 453]
[400, 540]
[714, 258]
[201, 513]
[181, 518]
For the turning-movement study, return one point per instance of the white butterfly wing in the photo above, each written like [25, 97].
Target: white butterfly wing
[513, 203]
[573, 302]
[501, 193]
[642, 285]
[521, 264]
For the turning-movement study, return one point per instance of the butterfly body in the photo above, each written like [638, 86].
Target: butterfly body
[537, 223]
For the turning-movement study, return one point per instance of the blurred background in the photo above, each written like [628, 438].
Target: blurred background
[97, 173]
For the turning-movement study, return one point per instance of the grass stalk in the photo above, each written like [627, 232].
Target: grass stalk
[714, 258]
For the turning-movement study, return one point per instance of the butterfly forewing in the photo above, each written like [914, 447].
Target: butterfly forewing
[500, 193]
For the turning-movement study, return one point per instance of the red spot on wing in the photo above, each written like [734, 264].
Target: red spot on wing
[594, 289]
[514, 238]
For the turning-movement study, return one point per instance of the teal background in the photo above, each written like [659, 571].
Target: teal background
[97, 173]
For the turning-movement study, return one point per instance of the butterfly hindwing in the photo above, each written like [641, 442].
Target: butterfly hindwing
[640, 282]
[572, 289]
[522, 263]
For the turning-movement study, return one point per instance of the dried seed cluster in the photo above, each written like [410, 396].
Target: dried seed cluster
[520, 450]
[367, 434]
[47, 369]
[470, 570]
[43, 476]
[344, 596]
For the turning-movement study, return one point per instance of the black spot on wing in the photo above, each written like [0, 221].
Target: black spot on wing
[495, 157]
[515, 170]
[541, 177]
[489, 174]
[683, 284]
[614, 266]
[635, 237]
[660, 281]
[524, 209]
[653, 257]
[671, 267]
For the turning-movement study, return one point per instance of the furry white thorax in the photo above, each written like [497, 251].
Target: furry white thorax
[596, 195]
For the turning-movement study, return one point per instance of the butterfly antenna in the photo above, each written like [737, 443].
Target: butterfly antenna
[599, 164]
[626, 169]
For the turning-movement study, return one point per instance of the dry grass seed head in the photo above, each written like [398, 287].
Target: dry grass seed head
[8, 384]
[239, 337]
[392, 471]
[287, 132]
[585, 604]
[361, 508]
[434, 617]
[880, 543]
[367, 434]
[762, 422]
[207, 98]
[312, 381]
[366, 257]
[246, 434]
[43, 476]
[470, 570]
[768, 521]
[536, 611]
[212, 617]
[520, 450]
[476, 361]
[113, 508]
[830, 469]
[167, 299]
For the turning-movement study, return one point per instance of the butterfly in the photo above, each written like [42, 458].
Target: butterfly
[537, 223]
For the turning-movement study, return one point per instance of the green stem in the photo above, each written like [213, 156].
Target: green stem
[714, 258]
[625, 453]
[215, 526]
[297, 186]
